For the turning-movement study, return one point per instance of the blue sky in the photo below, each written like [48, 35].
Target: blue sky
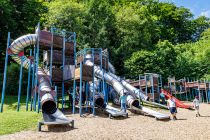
[197, 7]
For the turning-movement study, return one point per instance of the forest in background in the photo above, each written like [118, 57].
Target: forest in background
[141, 35]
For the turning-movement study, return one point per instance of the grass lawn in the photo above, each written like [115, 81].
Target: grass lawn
[12, 121]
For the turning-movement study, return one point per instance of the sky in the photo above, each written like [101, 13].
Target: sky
[197, 7]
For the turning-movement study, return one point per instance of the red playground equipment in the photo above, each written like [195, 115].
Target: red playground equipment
[178, 102]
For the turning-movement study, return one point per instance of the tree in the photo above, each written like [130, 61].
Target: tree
[193, 58]
[174, 23]
[200, 24]
[135, 30]
[162, 60]
[166, 58]
[7, 22]
[100, 21]
[18, 17]
[140, 62]
[69, 16]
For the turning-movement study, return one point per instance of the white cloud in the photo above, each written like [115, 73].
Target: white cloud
[206, 13]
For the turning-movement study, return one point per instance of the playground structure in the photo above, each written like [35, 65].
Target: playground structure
[188, 88]
[73, 79]
[150, 84]
[42, 94]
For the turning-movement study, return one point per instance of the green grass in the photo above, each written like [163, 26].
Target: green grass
[12, 121]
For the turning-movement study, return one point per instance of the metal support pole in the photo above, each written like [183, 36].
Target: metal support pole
[74, 96]
[64, 50]
[106, 92]
[105, 85]
[105, 97]
[152, 84]
[5, 74]
[80, 91]
[51, 56]
[86, 93]
[56, 95]
[29, 81]
[189, 92]
[75, 63]
[139, 88]
[186, 92]
[37, 64]
[75, 43]
[93, 104]
[33, 74]
[206, 91]
[20, 84]
[158, 88]
[199, 93]
[145, 84]
[38, 100]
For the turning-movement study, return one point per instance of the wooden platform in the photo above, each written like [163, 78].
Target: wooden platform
[58, 58]
[96, 61]
[202, 86]
[58, 75]
[46, 41]
[87, 73]
[143, 83]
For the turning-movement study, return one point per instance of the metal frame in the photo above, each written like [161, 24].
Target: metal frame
[5, 73]
[33, 68]
[29, 81]
[20, 84]
[195, 91]
[103, 56]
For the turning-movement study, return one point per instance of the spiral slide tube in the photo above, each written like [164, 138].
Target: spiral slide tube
[48, 104]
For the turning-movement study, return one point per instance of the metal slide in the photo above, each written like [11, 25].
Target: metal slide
[132, 102]
[136, 91]
[151, 112]
[113, 112]
[142, 109]
[50, 112]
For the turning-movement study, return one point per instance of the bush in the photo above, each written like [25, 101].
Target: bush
[12, 84]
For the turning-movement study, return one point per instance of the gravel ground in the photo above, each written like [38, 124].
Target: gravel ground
[187, 127]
